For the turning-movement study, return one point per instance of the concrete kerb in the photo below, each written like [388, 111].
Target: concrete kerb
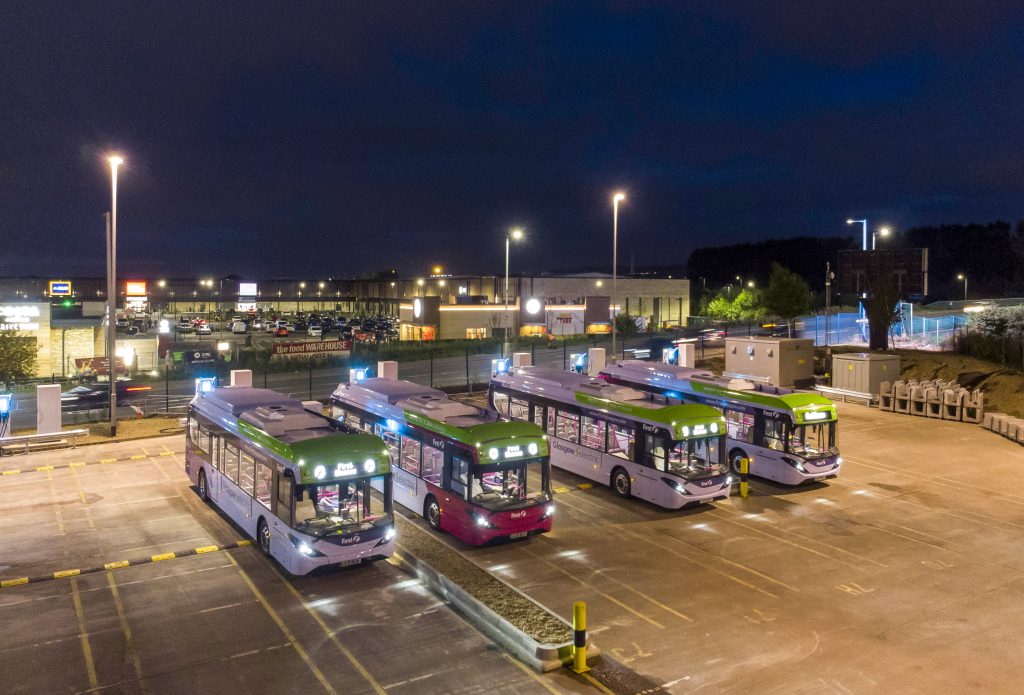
[541, 657]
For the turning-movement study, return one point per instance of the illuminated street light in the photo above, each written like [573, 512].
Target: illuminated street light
[115, 162]
[962, 276]
[882, 232]
[616, 199]
[750, 284]
[864, 247]
[516, 234]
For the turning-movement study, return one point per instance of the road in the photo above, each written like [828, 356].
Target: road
[224, 621]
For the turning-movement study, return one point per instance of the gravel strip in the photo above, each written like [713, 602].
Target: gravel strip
[483, 586]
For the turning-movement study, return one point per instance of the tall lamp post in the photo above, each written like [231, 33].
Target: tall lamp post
[115, 162]
[616, 199]
[860, 305]
[516, 234]
[963, 276]
[882, 232]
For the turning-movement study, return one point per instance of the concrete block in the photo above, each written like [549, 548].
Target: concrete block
[48, 419]
[387, 369]
[241, 377]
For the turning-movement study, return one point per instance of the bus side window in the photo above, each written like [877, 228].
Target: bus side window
[193, 430]
[264, 480]
[551, 422]
[568, 426]
[433, 464]
[501, 402]
[353, 420]
[230, 462]
[247, 473]
[284, 498]
[460, 476]
[774, 434]
[593, 433]
[391, 440]
[655, 456]
[538, 415]
[410, 459]
[739, 426]
[621, 441]
[216, 444]
[520, 410]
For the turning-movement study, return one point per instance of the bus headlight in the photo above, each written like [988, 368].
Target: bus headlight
[304, 548]
[369, 466]
[686, 431]
[549, 510]
[728, 480]
[492, 453]
[482, 522]
[714, 428]
[389, 535]
[533, 448]
[839, 460]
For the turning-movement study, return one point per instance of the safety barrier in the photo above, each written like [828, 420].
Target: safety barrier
[1007, 425]
[845, 394]
[934, 398]
[36, 441]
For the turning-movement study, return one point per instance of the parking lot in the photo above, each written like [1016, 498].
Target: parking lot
[216, 620]
[903, 575]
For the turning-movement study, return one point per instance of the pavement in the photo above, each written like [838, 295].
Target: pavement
[905, 574]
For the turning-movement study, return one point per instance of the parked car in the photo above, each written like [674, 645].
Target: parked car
[281, 331]
[204, 329]
[239, 327]
[315, 332]
[97, 395]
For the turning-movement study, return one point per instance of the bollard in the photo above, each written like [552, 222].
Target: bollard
[579, 642]
[744, 472]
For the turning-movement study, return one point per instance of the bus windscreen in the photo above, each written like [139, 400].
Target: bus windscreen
[813, 441]
[509, 485]
[696, 458]
[328, 507]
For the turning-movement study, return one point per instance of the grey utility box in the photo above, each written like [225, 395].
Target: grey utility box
[779, 361]
[864, 372]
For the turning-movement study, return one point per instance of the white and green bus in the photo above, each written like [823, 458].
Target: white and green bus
[635, 442]
[311, 491]
[789, 436]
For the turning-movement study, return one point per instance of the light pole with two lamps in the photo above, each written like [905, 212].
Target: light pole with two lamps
[115, 162]
[616, 199]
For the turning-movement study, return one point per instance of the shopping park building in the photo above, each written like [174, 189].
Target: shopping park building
[64, 315]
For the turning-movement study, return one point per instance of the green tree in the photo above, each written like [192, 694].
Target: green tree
[625, 325]
[787, 295]
[719, 308]
[748, 306]
[17, 357]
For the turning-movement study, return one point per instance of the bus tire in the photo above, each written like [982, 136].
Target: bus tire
[432, 512]
[201, 488]
[263, 536]
[734, 460]
[621, 483]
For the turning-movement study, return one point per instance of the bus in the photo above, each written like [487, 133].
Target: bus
[788, 436]
[294, 480]
[635, 442]
[466, 471]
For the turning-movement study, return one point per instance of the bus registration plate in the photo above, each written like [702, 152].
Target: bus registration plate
[346, 563]
[520, 534]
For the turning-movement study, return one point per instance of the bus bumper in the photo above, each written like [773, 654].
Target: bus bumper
[480, 535]
[341, 556]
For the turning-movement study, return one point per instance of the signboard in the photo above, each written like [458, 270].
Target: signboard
[19, 317]
[597, 311]
[313, 347]
[426, 311]
[200, 356]
[60, 288]
[97, 366]
[135, 288]
[247, 289]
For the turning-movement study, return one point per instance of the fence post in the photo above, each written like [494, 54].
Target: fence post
[431, 367]
[469, 379]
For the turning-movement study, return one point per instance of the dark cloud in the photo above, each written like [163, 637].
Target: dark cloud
[331, 138]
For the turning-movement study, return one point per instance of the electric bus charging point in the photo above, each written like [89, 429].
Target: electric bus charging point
[241, 377]
[578, 362]
[579, 637]
[387, 369]
[500, 366]
[596, 360]
[48, 418]
[358, 374]
[5, 412]
[521, 359]
[205, 385]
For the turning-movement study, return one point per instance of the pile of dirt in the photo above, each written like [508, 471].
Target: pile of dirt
[483, 586]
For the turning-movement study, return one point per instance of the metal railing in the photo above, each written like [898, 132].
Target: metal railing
[27, 440]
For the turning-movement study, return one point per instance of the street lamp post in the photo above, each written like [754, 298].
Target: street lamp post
[864, 226]
[882, 232]
[112, 292]
[616, 199]
[860, 304]
[516, 234]
[963, 276]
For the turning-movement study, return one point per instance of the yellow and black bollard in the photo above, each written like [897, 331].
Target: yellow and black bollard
[744, 472]
[579, 637]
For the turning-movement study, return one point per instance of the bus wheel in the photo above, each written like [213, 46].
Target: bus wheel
[201, 486]
[263, 536]
[432, 513]
[620, 482]
[734, 459]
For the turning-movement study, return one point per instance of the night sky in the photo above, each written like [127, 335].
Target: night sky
[301, 139]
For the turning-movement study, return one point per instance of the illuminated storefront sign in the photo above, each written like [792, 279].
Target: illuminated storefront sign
[135, 288]
[19, 318]
[60, 288]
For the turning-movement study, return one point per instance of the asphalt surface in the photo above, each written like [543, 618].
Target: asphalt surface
[226, 621]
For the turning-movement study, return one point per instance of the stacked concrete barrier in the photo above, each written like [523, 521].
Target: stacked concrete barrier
[934, 398]
[1007, 425]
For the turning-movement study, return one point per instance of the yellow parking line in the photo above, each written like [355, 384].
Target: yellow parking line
[129, 646]
[90, 665]
[597, 684]
[284, 628]
[533, 674]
